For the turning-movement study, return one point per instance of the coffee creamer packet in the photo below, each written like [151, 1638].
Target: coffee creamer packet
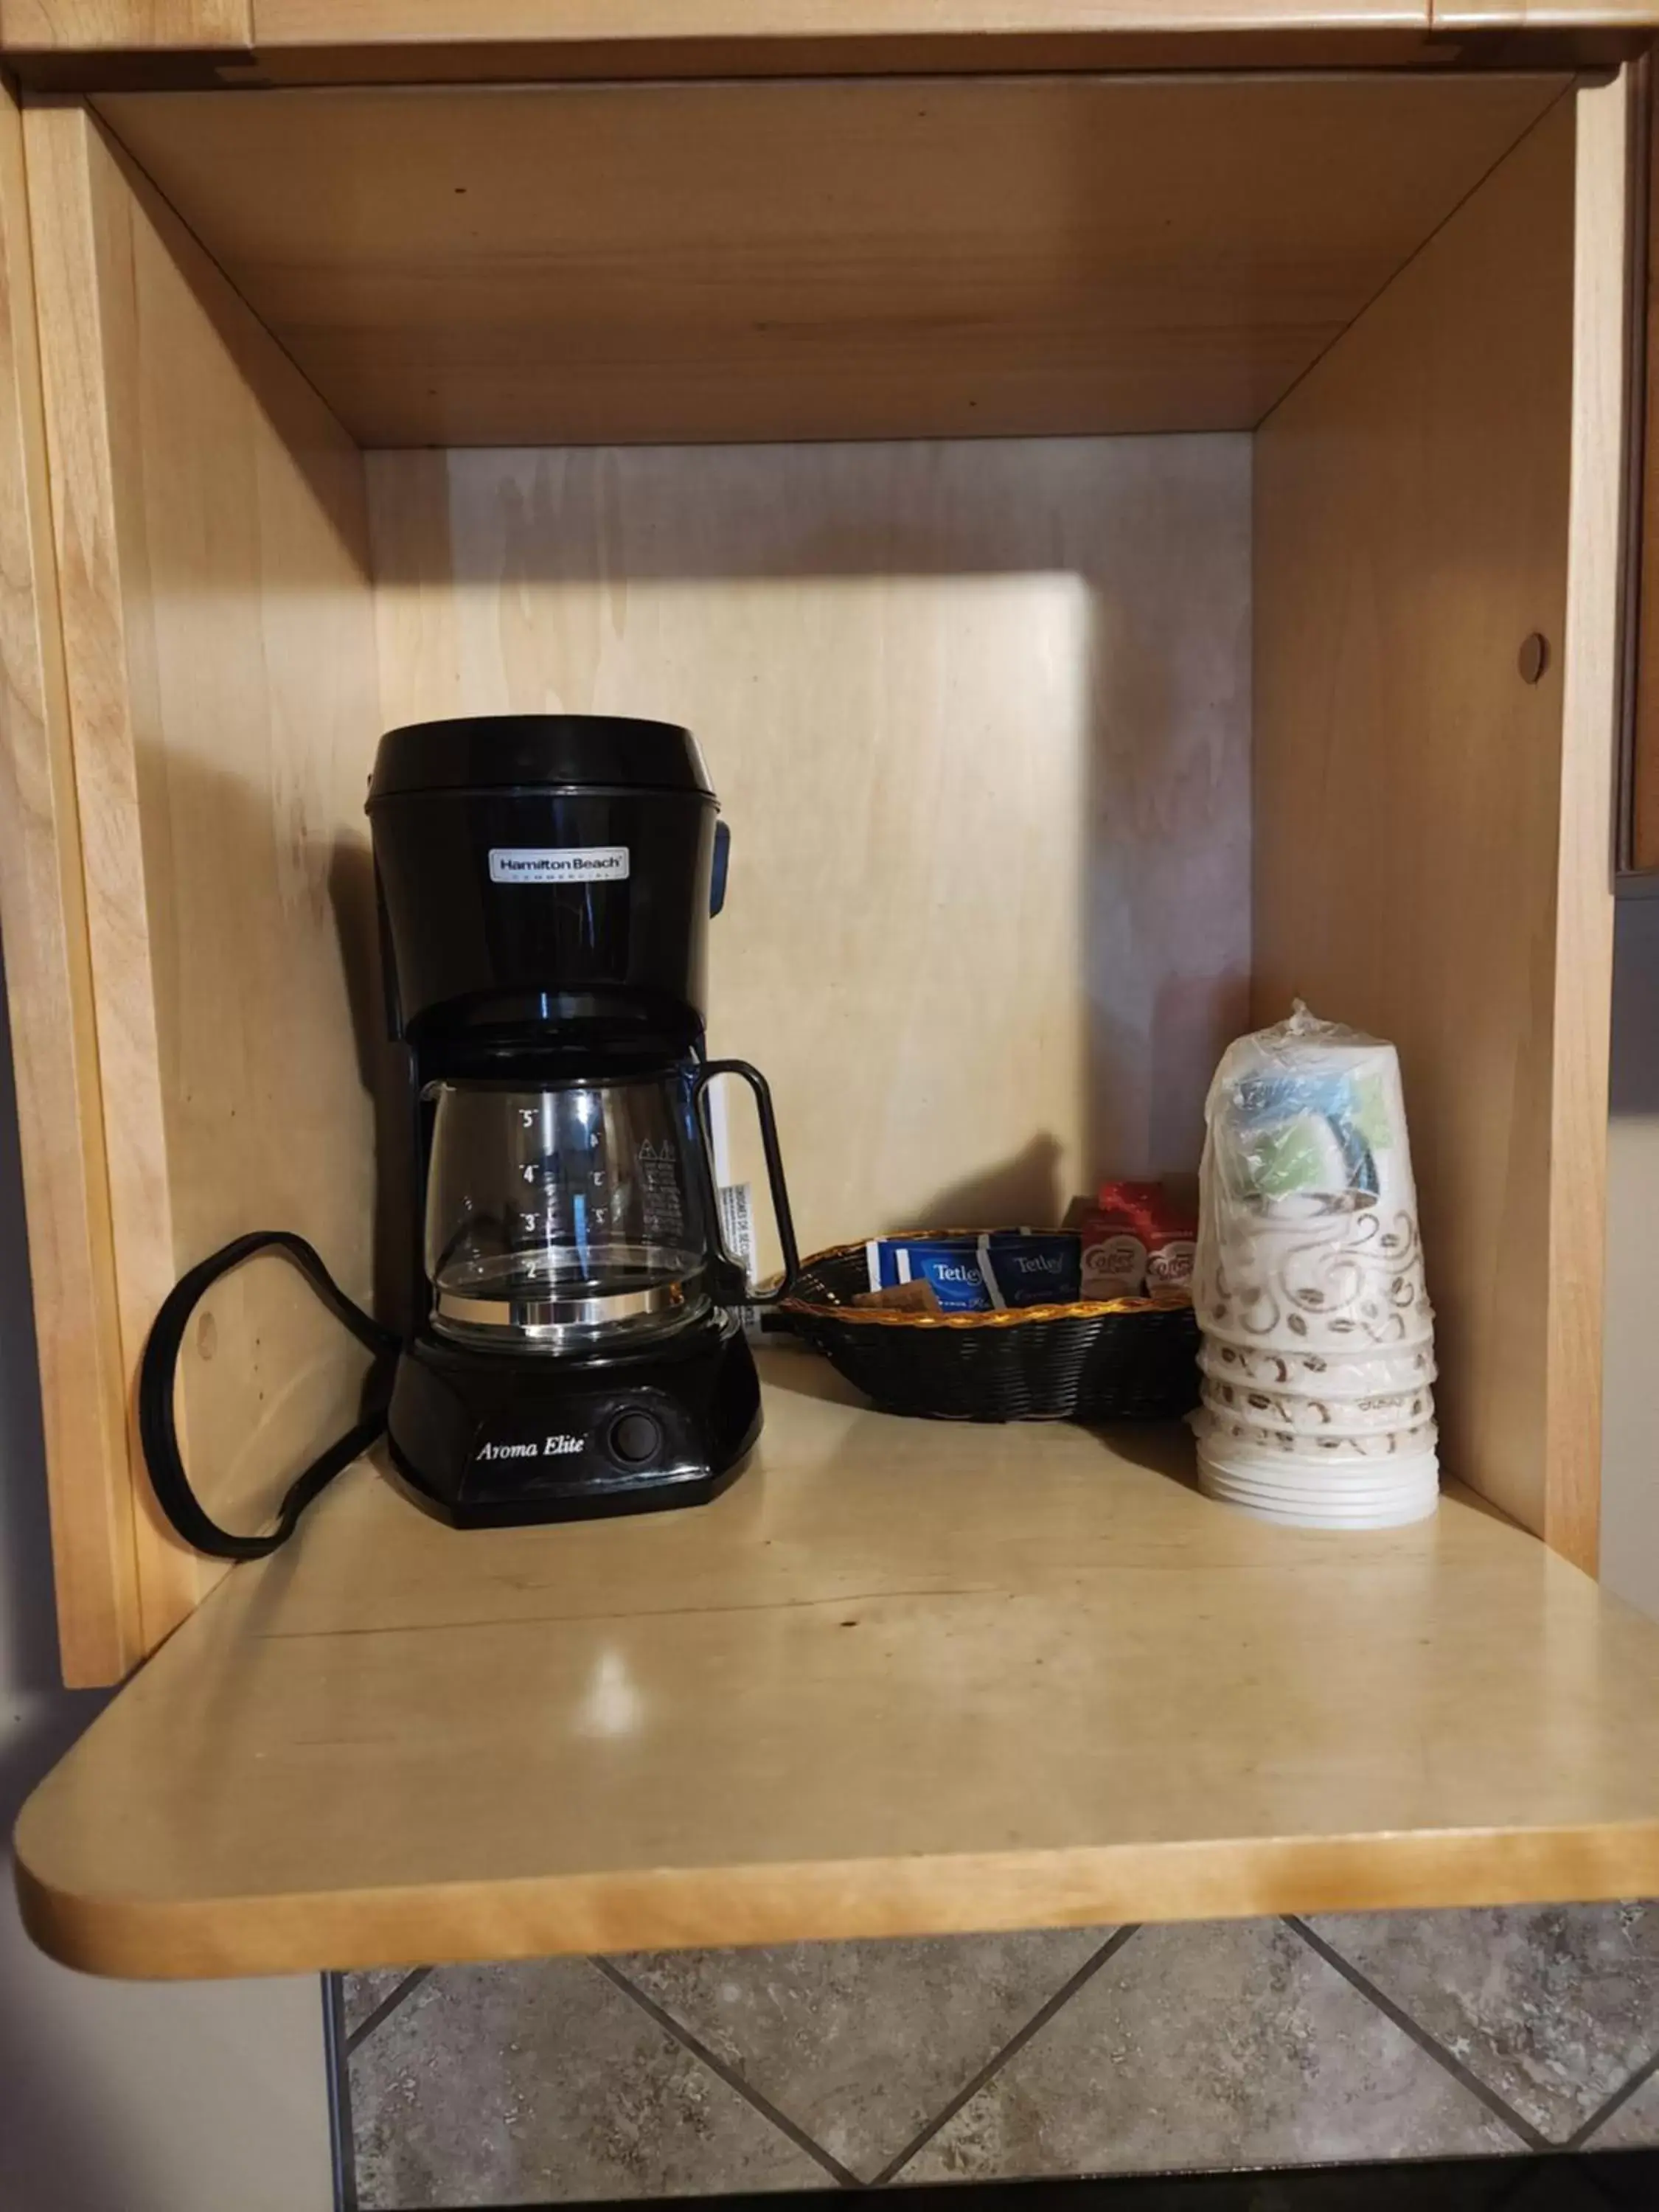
[1139, 1240]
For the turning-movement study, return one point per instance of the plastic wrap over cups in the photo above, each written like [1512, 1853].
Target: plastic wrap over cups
[1318, 1357]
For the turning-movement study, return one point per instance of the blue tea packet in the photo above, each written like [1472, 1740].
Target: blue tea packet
[951, 1264]
[1034, 1267]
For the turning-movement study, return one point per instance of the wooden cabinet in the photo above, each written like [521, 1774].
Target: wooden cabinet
[392, 22]
[103, 45]
[593, 33]
[83, 25]
[1094, 524]
[1638, 827]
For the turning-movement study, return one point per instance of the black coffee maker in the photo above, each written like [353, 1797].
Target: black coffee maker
[545, 884]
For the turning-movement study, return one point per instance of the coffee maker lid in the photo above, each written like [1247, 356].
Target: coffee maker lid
[504, 752]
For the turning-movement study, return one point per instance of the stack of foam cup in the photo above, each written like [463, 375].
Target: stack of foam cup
[1318, 1338]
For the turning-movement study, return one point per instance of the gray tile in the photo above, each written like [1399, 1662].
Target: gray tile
[1552, 2007]
[1635, 2125]
[860, 2044]
[1212, 2045]
[363, 1992]
[515, 2085]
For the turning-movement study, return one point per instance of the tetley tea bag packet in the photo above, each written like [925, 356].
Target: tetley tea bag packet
[952, 1265]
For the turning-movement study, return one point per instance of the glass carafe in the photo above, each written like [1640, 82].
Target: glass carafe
[569, 1214]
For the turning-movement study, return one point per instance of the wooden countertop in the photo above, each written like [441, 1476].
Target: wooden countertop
[902, 1678]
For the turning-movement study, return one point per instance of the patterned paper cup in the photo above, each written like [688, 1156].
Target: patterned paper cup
[1400, 1506]
[1401, 1513]
[1253, 1443]
[1355, 1484]
[1412, 1496]
[1304, 1414]
[1320, 1374]
[1337, 1274]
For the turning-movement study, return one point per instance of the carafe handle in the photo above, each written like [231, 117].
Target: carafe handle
[769, 1129]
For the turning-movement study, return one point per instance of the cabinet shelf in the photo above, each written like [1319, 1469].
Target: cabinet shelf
[902, 1679]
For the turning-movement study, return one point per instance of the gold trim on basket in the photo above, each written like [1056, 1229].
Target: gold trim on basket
[1005, 1317]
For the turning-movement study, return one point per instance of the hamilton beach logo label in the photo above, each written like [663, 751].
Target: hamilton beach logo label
[559, 1447]
[558, 864]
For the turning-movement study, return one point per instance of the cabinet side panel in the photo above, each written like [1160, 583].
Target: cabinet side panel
[54, 1042]
[212, 535]
[1413, 501]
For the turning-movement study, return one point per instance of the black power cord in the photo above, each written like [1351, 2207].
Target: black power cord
[158, 1429]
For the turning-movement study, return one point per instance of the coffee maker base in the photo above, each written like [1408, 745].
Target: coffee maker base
[499, 1439]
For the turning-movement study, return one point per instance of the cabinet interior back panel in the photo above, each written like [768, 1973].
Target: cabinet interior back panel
[978, 714]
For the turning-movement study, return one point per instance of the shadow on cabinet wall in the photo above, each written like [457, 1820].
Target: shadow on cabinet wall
[274, 1089]
[384, 1077]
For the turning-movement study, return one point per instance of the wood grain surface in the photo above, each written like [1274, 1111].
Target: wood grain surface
[43, 917]
[1642, 831]
[1452, 15]
[1581, 1026]
[621, 22]
[1366, 42]
[978, 718]
[1439, 489]
[211, 540]
[853, 258]
[904, 1678]
[76, 26]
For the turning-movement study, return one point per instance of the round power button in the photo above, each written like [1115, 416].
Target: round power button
[634, 1438]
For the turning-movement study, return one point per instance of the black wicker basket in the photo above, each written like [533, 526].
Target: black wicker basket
[1130, 1359]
